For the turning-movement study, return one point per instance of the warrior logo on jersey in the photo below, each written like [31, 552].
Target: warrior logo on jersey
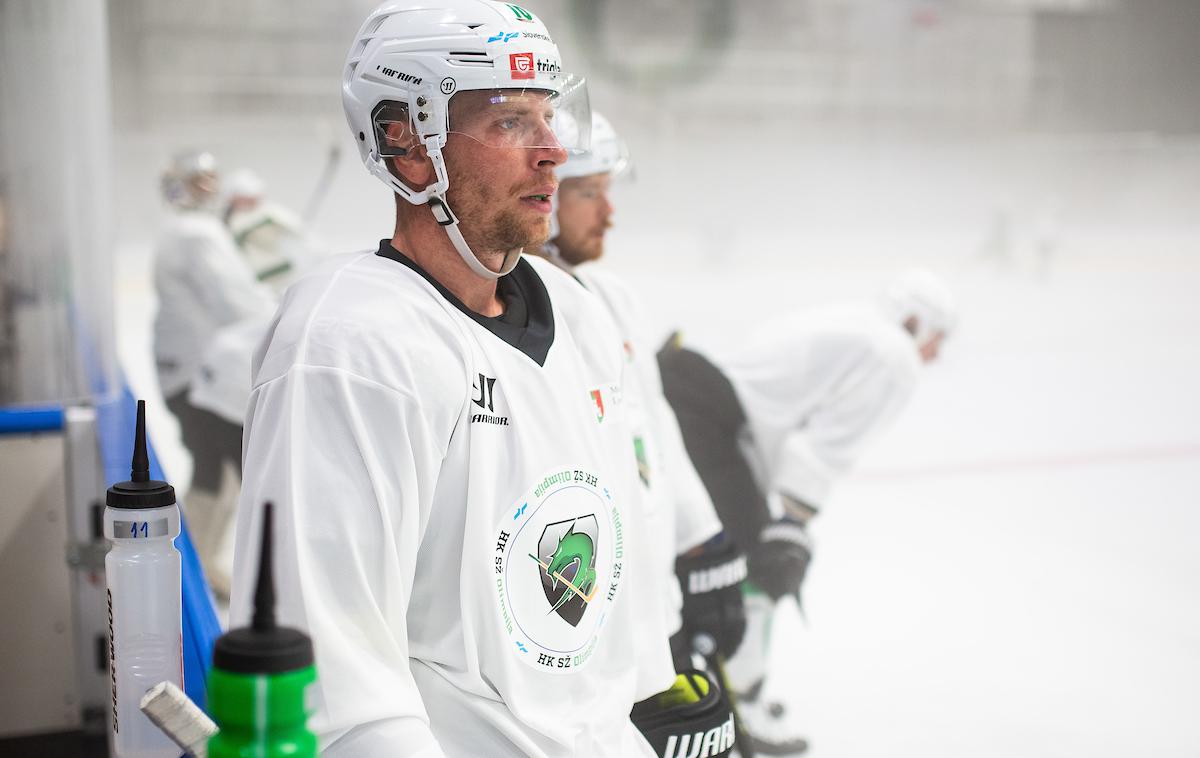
[557, 568]
[484, 396]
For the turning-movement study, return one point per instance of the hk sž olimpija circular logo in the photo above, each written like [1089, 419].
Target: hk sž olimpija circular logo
[557, 568]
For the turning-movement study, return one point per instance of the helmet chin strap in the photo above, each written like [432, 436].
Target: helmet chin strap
[446, 218]
[448, 221]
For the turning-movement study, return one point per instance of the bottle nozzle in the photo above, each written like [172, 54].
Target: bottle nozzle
[140, 491]
[141, 460]
[264, 592]
[263, 647]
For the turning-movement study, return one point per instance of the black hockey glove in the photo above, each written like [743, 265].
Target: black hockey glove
[691, 718]
[712, 595]
[778, 562]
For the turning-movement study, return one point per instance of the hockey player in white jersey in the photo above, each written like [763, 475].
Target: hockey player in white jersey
[688, 534]
[203, 284]
[771, 425]
[440, 423]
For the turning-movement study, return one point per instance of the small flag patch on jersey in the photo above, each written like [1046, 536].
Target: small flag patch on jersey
[599, 400]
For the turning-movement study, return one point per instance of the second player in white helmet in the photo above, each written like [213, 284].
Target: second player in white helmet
[688, 538]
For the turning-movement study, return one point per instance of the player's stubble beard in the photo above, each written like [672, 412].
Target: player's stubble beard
[590, 248]
[495, 225]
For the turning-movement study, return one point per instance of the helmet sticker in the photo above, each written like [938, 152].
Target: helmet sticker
[448, 86]
[521, 65]
[521, 13]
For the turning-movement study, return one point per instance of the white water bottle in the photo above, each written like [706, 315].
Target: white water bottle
[142, 571]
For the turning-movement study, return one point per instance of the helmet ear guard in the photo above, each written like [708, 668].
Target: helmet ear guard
[386, 115]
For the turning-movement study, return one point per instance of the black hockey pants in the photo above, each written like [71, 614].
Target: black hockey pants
[712, 421]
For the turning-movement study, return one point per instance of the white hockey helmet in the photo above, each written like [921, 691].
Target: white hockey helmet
[191, 180]
[243, 183]
[607, 154]
[410, 58]
[920, 295]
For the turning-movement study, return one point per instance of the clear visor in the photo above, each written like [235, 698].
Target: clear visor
[532, 117]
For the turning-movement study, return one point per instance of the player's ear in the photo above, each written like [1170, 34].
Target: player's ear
[408, 160]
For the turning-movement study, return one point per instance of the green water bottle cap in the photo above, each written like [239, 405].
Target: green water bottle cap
[263, 647]
[140, 491]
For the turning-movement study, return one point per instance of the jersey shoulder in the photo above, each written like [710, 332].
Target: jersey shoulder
[569, 297]
[373, 318]
[612, 289]
[581, 313]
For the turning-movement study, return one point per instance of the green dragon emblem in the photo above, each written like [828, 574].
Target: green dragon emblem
[577, 548]
[572, 547]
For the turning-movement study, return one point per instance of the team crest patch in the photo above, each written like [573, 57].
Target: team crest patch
[567, 557]
[557, 569]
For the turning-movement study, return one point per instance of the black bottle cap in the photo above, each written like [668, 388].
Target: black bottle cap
[263, 647]
[140, 491]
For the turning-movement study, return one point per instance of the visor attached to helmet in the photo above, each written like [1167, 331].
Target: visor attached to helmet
[505, 118]
[524, 118]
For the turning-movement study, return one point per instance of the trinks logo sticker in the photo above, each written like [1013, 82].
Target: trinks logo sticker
[557, 568]
[521, 65]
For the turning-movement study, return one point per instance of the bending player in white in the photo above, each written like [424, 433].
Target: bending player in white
[439, 422]
[688, 534]
[770, 427]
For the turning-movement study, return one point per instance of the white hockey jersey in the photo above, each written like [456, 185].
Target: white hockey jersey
[203, 283]
[680, 508]
[222, 383]
[458, 522]
[815, 386]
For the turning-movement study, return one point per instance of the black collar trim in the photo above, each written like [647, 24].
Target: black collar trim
[521, 289]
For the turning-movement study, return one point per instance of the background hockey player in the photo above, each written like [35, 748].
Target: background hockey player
[686, 527]
[277, 248]
[439, 422]
[771, 425]
[203, 283]
[274, 239]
